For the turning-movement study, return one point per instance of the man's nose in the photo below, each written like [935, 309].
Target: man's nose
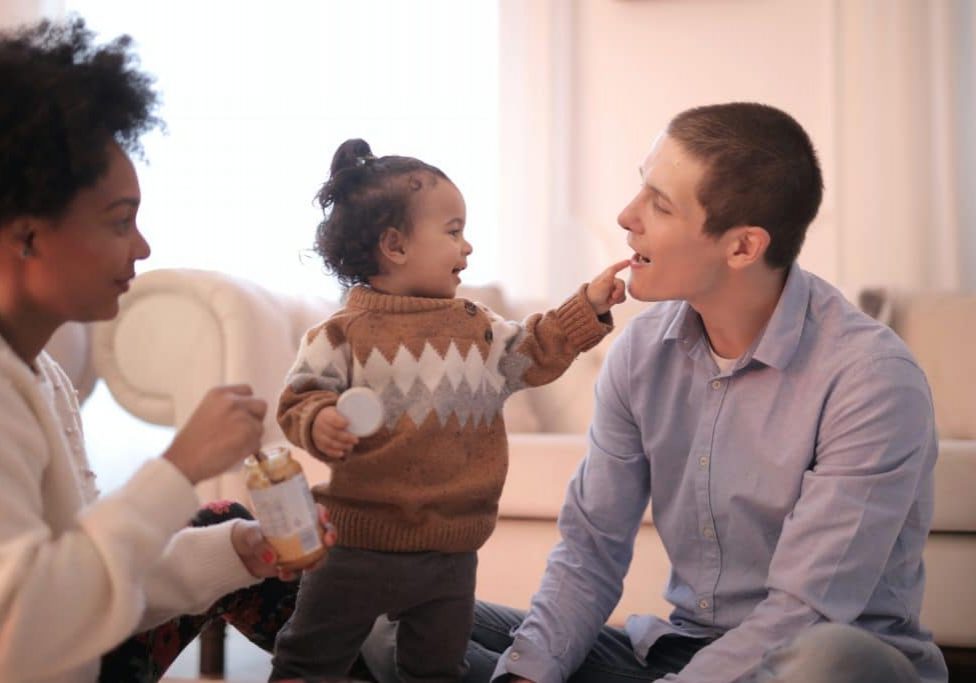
[627, 218]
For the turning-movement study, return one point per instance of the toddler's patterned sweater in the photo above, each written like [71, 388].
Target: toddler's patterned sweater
[431, 477]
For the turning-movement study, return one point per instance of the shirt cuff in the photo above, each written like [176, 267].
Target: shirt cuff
[527, 660]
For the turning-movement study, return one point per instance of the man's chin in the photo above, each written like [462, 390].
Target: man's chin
[646, 294]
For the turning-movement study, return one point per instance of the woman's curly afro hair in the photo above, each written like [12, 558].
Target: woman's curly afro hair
[62, 100]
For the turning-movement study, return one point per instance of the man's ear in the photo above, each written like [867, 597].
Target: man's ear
[393, 246]
[747, 245]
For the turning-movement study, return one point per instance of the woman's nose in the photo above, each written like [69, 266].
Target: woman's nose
[140, 249]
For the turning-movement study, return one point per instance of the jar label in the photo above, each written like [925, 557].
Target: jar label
[288, 517]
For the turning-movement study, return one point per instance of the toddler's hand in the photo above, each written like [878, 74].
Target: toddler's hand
[606, 290]
[329, 433]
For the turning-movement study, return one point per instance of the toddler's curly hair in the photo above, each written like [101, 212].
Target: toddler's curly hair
[364, 196]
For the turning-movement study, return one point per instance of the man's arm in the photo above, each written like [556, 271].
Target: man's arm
[598, 523]
[876, 444]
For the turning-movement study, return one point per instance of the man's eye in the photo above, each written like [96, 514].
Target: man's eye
[659, 208]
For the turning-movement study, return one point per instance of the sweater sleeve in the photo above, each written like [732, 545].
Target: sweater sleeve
[198, 567]
[316, 379]
[539, 349]
[68, 598]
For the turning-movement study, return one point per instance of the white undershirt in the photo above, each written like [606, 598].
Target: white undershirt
[724, 364]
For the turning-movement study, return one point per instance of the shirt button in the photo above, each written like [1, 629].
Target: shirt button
[470, 308]
[717, 384]
[708, 532]
[703, 461]
[703, 604]
[514, 656]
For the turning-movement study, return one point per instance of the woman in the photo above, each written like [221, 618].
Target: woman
[80, 575]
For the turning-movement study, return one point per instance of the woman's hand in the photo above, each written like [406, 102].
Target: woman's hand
[261, 559]
[224, 428]
[607, 290]
[329, 433]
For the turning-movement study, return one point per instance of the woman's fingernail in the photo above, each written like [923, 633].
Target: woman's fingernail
[267, 556]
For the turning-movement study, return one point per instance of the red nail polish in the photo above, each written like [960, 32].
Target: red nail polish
[267, 556]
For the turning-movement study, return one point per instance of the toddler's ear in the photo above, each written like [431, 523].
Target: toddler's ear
[393, 246]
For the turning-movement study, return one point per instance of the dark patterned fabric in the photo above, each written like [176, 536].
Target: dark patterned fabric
[257, 612]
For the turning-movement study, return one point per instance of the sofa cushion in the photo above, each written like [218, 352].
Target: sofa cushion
[955, 473]
[939, 328]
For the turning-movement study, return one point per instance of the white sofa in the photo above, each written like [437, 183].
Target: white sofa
[182, 331]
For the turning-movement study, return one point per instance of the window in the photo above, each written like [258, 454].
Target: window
[257, 97]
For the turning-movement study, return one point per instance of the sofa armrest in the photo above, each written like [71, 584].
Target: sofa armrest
[181, 331]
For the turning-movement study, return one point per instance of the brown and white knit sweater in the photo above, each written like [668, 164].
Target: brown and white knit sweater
[430, 478]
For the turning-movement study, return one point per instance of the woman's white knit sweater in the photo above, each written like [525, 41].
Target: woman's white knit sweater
[79, 574]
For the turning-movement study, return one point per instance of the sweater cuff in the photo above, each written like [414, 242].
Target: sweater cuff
[219, 569]
[161, 490]
[583, 328]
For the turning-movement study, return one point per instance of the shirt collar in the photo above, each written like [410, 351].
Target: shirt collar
[777, 342]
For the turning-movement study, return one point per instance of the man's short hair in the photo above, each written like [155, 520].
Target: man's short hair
[761, 170]
[62, 100]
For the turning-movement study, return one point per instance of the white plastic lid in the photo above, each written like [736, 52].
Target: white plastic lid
[363, 408]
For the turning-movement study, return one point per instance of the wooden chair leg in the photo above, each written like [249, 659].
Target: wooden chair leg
[212, 649]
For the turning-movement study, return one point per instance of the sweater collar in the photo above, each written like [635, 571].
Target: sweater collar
[371, 300]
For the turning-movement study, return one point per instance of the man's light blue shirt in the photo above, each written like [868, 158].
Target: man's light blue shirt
[795, 488]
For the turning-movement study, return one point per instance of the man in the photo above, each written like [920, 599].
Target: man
[785, 442]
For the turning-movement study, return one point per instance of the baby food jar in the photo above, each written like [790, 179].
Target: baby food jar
[284, 508]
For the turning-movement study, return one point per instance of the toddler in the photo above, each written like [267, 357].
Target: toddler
[414, 501]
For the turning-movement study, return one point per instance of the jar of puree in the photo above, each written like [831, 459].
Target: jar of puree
[284, 508]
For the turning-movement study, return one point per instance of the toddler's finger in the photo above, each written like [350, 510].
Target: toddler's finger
[608, 274]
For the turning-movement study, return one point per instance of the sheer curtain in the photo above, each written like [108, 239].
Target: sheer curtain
[906, 144]
[256, 100]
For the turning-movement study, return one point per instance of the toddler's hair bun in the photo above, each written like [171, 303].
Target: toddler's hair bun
[351, 153]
